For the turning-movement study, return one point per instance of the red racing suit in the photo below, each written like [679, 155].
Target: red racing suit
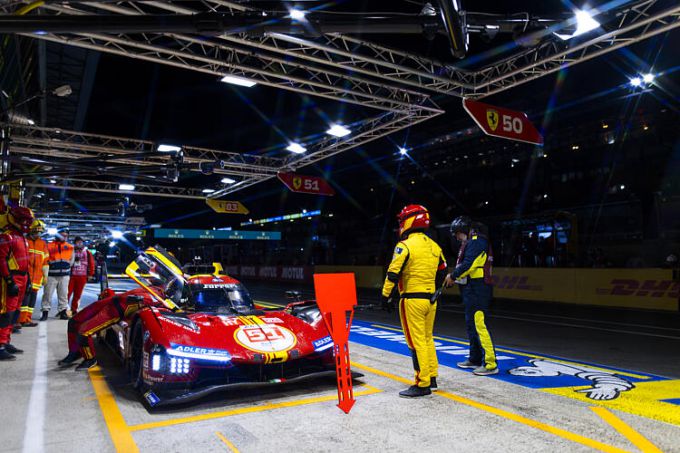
[97, 317]
[83, 267]
[14, 259]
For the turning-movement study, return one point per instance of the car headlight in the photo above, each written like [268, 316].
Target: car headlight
[179, 365]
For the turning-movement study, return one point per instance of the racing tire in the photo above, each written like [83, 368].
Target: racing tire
[136, 356]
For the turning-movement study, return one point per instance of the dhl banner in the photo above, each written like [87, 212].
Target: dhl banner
[652, 289]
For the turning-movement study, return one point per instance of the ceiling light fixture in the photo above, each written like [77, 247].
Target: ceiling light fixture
[297, 14]
[226, 180]
[162, 148]
[296, 148]
[338, 130]
[127, 187]
[584, 24]
[208, 190]
[403, 151]
[240, 81]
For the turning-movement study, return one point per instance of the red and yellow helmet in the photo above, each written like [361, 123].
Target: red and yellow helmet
[20, 218]
[413, 217]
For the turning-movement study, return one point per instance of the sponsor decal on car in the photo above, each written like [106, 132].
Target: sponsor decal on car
[196, 352]
[265, 338]
[273, 320]
[323, 344]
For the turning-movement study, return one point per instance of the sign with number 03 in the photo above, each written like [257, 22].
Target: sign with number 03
[502, 122]
[265, 338]
[306, 184]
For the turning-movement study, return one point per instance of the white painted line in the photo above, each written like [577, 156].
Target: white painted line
[35, 418]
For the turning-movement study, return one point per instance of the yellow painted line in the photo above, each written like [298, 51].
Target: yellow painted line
[118, 428]
[526, 354]
[226, 441]
[248, 410]
[626, 431]
[503, 413]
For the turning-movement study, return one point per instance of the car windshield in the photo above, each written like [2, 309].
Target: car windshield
[219, 297]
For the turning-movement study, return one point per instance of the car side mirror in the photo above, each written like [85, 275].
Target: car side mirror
[294, 295]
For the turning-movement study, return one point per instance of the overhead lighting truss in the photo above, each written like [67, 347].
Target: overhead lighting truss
[332, 66]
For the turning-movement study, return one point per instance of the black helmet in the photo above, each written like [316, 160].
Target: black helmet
[461, 224]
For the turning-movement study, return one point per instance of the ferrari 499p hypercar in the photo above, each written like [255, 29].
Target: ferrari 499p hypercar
[194, 335]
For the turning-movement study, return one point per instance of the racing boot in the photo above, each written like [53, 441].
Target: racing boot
[414, 391]
[69, 360]
[44, 315]
[13, 349]
[16, 328]
[4, 355]
[433, 384]
[467, 364]
[484, 371]
[29, 324]
[86, 364]
[62, 315]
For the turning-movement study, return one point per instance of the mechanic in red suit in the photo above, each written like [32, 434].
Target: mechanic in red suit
[92, 319]
[82, 268]
[14, 263]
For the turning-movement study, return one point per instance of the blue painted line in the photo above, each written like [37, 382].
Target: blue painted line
[515, 366]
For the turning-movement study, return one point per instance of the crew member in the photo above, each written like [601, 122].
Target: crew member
[92, 319]
[418, 267]
[473, 275]
[14, 273]
[37, 271]
[60, 262]
[83, 268]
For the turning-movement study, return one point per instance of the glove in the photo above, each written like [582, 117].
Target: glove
[12, 288]
[387, 304]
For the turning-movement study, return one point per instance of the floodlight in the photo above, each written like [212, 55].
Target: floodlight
[62, 91]
[297, 14]
[636, 81]
[296, 148]
[168, 148]
[403, 151]
[226, 180]
[116, 234]
[584, 24]
[338, 130]
[128, 187]
[52, 231]
[31, 122]
[648, 78]
[240, 81]
[208, 190]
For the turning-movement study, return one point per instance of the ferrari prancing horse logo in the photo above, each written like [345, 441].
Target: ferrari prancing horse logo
[492, 119]
[297, 183]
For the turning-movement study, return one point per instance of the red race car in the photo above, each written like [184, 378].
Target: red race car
[183, 336]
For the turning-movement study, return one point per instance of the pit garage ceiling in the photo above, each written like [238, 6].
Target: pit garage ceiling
[380, 72]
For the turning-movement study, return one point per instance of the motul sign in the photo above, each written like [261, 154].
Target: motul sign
[503, 123]
[306, 184]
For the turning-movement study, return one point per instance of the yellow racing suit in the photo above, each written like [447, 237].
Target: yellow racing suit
[417, 268]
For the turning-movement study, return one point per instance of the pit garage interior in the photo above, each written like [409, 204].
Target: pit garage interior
[198, 125]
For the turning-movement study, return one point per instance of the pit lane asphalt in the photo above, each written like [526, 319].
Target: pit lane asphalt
[631, 339]
[47, 409]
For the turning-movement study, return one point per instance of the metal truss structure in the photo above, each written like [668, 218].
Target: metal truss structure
[332, 66]
[112, 187]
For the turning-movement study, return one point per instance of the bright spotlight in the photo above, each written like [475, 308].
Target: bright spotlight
[52, 231]
[113, 244]
[208, 190]
[403, 151]
[636, 81]
[226, 180]
[296, 148]
[116, 234]
[584, 23]
[31, 122]
[338, 130]
[168, 148]
[128, 187]
[240, 81]
[297, 14]
[648, 78]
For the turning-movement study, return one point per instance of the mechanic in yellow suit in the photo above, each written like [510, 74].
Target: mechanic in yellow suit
[418, 268]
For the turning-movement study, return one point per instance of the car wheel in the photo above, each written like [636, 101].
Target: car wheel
[136, 358]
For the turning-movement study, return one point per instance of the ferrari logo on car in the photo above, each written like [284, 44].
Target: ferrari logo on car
[297, 183]
[492, 119]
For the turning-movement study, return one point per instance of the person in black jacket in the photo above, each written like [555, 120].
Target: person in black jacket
[473, 275]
